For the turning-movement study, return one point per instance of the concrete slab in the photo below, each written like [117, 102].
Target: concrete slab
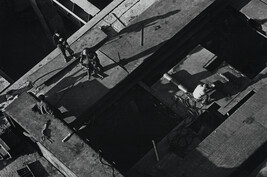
[125, 18]
[120, 10]
[74, 154]
[256, 9]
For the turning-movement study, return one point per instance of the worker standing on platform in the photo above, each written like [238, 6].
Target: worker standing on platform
[63, 45]
[201, 92]
[90, 61]
[43, 107]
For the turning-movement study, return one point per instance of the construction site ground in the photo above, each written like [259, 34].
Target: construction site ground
[71, 92]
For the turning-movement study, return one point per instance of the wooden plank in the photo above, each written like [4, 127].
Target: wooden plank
[87, 6]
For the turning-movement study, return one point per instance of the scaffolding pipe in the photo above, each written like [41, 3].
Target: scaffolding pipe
[155, 150]
[175, 82]
[70, 12]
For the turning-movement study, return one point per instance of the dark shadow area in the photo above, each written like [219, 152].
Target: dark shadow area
[67, 82]
[38, 169]
[261, 21]
[194, 164]
[61, 72]
[239, 4]
[19, 146]
[147, 22]
[202, 166]
[124, 61]
[124, 132]
[257, 25]
[23, 41]
[195, 50]
[45, 75]
[100, 4]
[235, 41]
[69, 26]
[258, 78]
[255, 160]
[33, 169]
[227, 89]
[209, 120]
[76, 98]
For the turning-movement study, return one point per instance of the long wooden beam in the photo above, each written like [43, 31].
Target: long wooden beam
[87, 6]
[69, 11]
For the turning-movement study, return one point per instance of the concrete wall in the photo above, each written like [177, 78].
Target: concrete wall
[55, 162]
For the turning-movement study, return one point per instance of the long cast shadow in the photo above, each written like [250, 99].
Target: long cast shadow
[261, 21]
[124, 61]
[147, 22]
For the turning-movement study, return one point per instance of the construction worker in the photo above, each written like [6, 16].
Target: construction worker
[63, 45]
[90, 61]
[43, 107]
[201, 92]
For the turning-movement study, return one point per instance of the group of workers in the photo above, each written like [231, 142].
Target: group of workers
[88, 58]
[200, 93]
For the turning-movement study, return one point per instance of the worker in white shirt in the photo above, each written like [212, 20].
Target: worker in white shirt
[201, 92]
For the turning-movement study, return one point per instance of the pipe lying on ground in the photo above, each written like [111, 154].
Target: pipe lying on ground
[175, 82]
[156, 150]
